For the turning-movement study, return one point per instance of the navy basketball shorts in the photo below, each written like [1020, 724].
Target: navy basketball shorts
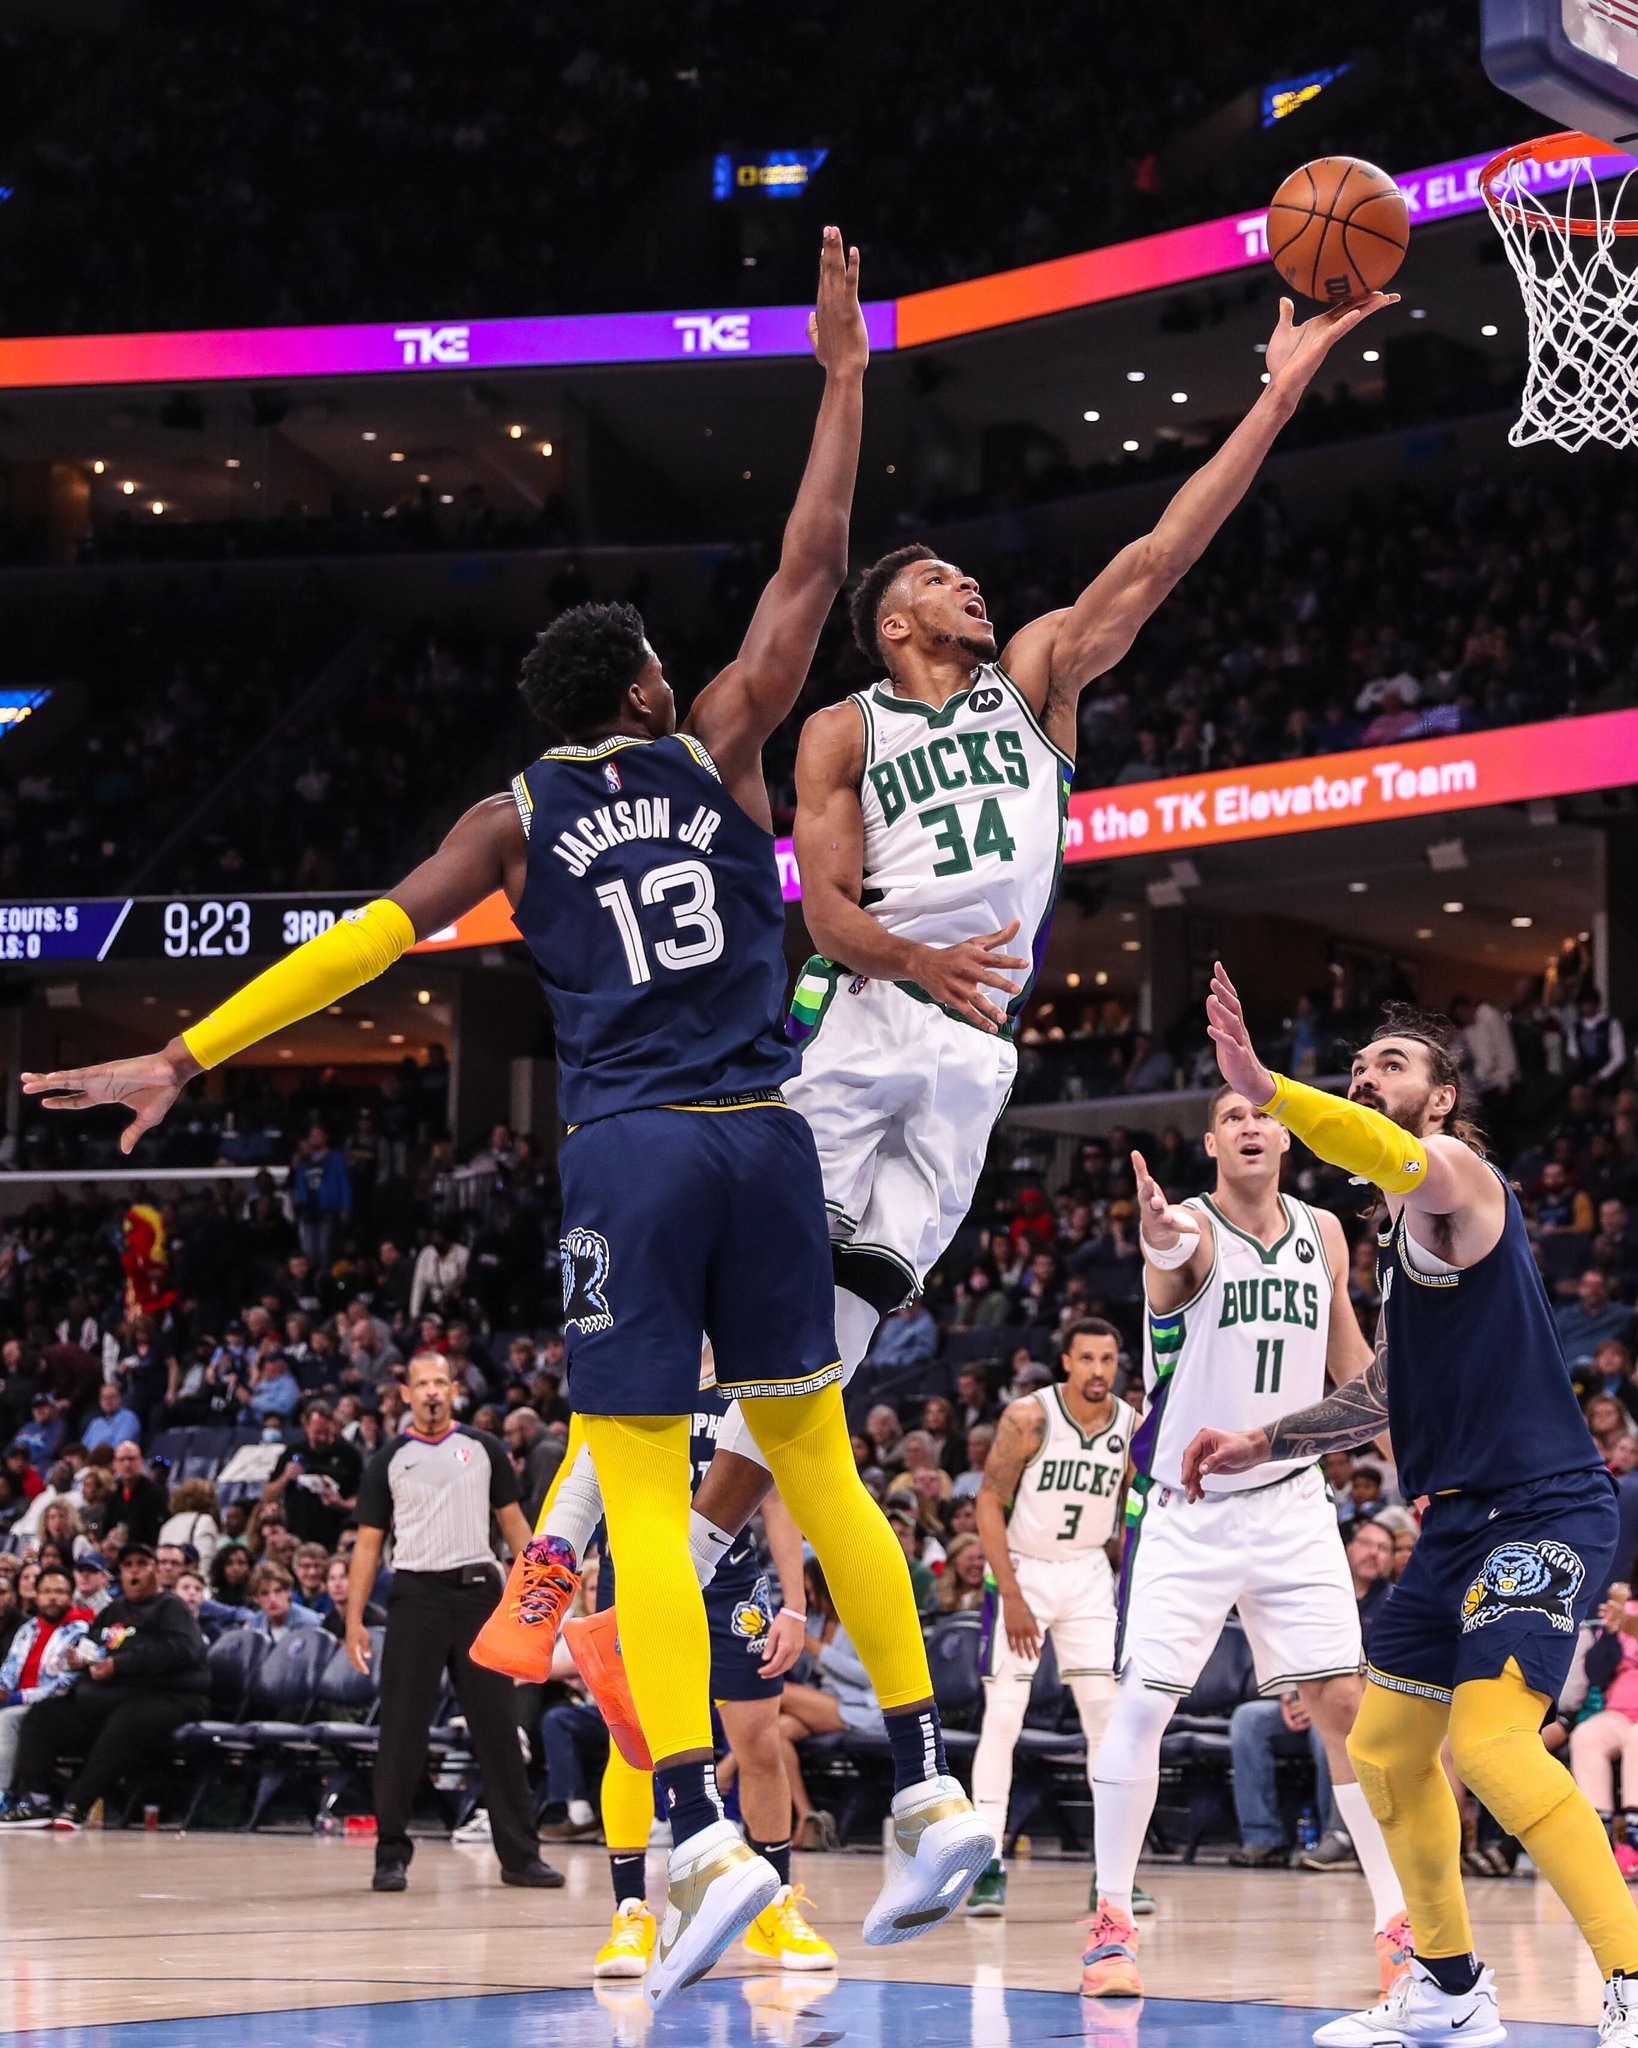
[1497, 1576]
[681, 1224]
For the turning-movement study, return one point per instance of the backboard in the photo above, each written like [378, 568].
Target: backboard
[1574, 61]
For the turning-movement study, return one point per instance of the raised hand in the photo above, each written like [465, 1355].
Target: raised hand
[957, 976]
[147, 1085]
[1294, 353]
[1236, 1056]
[1164, 1225]
[836, 326]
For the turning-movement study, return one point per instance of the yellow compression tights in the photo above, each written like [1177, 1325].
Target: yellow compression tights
[804, 1438]
[1495, 1738]
[628, 1806]
[644, 1470]
[1394, 1748]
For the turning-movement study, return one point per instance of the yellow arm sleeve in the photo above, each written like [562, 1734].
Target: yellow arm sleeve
[1362, 1141]
[353, 951]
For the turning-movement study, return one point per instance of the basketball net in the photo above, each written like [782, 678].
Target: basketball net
[1578, 273]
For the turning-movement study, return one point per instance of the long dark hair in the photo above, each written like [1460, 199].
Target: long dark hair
[1434, 1033]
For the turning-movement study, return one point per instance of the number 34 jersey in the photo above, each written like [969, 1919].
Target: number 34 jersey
[653, 909]
[1249, 1348]
[1070, 1489]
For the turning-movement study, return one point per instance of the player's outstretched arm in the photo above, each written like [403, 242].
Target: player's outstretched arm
[484, 852]
[1054, 657]
[830, 854]
[1439, 1175]
[1355, 1414]
[738, 711]
[1177, 1251]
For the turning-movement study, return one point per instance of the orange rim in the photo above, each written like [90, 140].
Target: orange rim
[1550, 149]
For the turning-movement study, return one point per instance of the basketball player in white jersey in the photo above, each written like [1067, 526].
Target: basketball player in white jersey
[1049, 1516]
[929, 833]
[1247, 1297]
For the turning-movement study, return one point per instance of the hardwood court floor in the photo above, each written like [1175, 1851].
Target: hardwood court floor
[118, 1928]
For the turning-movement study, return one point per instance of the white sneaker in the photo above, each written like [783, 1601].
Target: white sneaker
[1619, 2026]
[477, 1829]
[717, 1885]
[940, 1847]
[1416, 2010]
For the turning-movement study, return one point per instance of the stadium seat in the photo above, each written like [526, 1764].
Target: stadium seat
[1195, 1751]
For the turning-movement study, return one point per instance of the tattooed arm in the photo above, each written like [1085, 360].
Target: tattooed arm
[1355, 1413]
[1017, 1441]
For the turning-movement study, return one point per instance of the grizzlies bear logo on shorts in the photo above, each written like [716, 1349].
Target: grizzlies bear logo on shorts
[752, 1617]
[1543, 1578]
[584, 1255]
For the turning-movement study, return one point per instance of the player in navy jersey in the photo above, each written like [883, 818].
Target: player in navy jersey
[640, 865]
[1518, 1533]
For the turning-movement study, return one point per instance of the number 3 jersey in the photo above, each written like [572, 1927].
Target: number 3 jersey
[653, 909]
[1070, 1490]
[1249, 1348]
[963, 816]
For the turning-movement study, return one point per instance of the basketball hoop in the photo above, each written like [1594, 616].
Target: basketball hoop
[1578, 271]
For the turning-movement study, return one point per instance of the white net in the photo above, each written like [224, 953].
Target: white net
[1576, 261]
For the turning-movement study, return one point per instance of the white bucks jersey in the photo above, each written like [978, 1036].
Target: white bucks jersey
[1249, 1348]
[964, 814]
[1070, 1489]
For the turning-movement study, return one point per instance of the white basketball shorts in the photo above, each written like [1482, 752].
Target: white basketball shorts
[1073, 1598]
[1275, 1553]
[901, 1099]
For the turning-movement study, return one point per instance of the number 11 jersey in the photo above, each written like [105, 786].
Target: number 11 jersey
[1247, 1349]
[653, 909]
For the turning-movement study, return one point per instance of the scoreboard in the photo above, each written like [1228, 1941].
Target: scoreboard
[166, 928]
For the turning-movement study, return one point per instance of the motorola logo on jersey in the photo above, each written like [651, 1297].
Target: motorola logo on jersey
[584, 1256]
[987, 699]
[1304, 1250]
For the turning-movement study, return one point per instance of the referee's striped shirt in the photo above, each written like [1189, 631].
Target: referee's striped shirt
[436, 1494]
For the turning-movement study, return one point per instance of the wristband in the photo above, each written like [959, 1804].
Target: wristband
[794, 1615]
[1165, 1257]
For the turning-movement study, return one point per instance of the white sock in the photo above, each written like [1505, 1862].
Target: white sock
[856, 1322]
[1125, 1782]
[580, 1812]
[707, 1546]
[1387, 1894]
[577, 1506]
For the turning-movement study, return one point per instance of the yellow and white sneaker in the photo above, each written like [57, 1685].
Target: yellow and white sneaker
[630, 1944]
[717, 1887]
[781, 1934]
[940, 1846]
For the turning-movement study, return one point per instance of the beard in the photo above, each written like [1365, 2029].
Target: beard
[976, 650]
[1412, 1117]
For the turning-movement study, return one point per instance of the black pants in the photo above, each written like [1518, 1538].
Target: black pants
[431, 1623]
[116, 1726]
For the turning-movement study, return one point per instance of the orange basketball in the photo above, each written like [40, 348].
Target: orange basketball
[1337, 229]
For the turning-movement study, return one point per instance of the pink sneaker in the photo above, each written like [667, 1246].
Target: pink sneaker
[1626, 1861]
[1109, 1967]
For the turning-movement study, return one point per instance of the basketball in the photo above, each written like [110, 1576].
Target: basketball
[1337, 229]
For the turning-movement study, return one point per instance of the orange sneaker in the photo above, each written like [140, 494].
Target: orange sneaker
[518, 1637]
[594, 1644]
[1109, 1967]
[1394, 1951]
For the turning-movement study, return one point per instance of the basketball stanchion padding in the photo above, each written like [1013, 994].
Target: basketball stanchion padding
[1574, 256]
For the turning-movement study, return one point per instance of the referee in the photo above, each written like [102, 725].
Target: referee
[435, 1487]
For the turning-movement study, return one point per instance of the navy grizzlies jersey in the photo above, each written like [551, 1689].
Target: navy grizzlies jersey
[1479, 1397]
[653, 909]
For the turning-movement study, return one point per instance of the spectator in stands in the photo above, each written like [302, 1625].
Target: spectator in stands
[311, 1567]
[113, 1423]
[137, 1503]
[11, 1617]
[316, 1481]
[1609, 1737]
[194, 1519]
[230, 1575]
[19, 1465]
[980, 1442]
[1364, 1501]
[60, 1525]
[144, 1370]
[961, 1587]
[321, 1194]
[1597, 1044]
[974, 1403]
[1401, 1526]
[170, 1561]
[213, 1618]
[93, 1582]
[938, 1423]
[1556, 1204]
[838, 1698]
[905, 1523]
[1609, 1424]
[43, 1432]
[1260, 1732]
[275, 1396]
[908, 1336]
[1593, 1318]
[575, 1741]
[440, 1274]
[36, 1663]
[535, 1455]
[143, 1675]
[277, 1612]
[335, 1584]
[886, 1434]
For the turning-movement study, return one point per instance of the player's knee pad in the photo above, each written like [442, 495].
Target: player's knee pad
[734, 1434]
[1495, 1742]
[1393, 1744]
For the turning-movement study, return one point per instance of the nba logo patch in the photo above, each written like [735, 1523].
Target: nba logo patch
[463, 1453]
[611, 775]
